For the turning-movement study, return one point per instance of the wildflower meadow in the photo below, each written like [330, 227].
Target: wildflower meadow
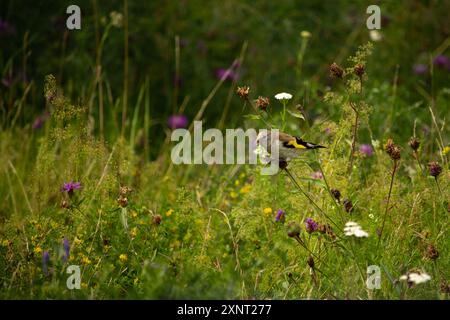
[95, 104]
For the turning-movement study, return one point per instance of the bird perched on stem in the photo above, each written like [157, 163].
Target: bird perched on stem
[289, 147]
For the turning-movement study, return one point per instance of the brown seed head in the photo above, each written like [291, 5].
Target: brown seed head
[157, 219]
[336, 194]
[293, 229]
[348, 205]
[122, 201]
[262, 103]
[124, 191]
[414, 143]
[310, 262]
[243, 92]
[336, 71]
[432, 253]
[359, 70]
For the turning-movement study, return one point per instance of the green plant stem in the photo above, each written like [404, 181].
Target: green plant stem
[394, 169]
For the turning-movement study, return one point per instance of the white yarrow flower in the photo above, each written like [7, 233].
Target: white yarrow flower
[283, 96]
[354, 229]
[416, 277]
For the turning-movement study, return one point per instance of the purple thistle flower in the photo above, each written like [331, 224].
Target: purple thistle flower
[442, 61]
[366, 149]
[280, 215]
[45, 261]
[177, 121]
[317, 175]
[420, 69]
[66, 246]
[311, 225]
[70, 187]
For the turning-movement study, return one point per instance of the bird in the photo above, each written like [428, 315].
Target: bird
[289, 147]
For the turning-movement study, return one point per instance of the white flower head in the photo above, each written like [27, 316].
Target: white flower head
[415, 277]
[354, 229]
[116, 19]
[375, 35]
[283, 96]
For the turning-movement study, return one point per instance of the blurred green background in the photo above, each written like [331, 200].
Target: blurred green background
[35, 42]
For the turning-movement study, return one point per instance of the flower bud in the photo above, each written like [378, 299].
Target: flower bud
[293, 229]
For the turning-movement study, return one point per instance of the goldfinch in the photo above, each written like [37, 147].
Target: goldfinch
[289, 147]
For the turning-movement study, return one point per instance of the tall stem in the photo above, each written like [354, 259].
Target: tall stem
[388, 201]
[355, 136]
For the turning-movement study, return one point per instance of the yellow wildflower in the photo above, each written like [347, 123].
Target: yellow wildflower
[169, 212]
[133, 232]
[37, 250]
[233, 195]
[77, 241]
[246, 188]
[123, 258]
[85, 260]
[267, 211]
[5, 243]
[445, 150]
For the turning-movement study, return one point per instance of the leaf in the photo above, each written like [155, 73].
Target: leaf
[296, 114]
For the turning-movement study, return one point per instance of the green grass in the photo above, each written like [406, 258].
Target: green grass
[199, 231]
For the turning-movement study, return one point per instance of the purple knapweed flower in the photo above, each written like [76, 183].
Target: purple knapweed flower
[317, 175]
[441, 61]
[66, 247]
[420, 69]
[366, 149]
[177, 121]
[226, 74]
[45, 261]
[311, 225]
[280, 215]
[70, 187]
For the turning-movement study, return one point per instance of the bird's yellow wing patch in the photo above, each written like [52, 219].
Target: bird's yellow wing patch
[295, 144]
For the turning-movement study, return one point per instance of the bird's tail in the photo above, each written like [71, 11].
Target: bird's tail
[314, 146]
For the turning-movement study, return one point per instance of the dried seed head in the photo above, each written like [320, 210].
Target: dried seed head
[282, 164]
[310, 262]
[396, 154]
[157, 219]
[414, 143]
[64, 204]
[293, 229]
[431, 252]
[435, 169]
[445, 286]
[243, 92]
[336, 194]
[262, 103]
[359, 70]
[326, 229]
[336, 71]
[348, 205]
[122, 201]
[124, 191]
[389, 146]
[392, 150]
